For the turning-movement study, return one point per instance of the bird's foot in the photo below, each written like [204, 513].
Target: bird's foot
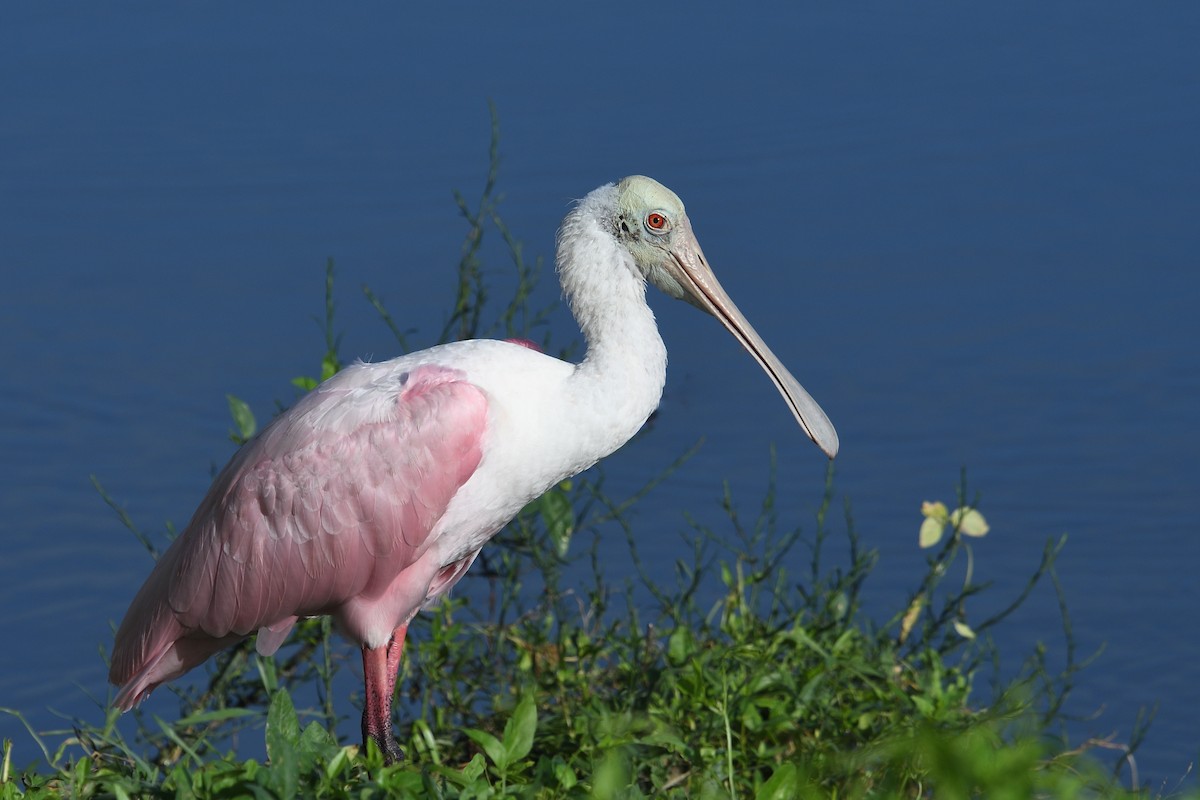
[392, 754]
[381, 734]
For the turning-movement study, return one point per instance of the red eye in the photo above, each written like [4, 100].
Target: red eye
[656, 221]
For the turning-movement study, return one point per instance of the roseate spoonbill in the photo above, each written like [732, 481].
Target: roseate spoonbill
[375, 492]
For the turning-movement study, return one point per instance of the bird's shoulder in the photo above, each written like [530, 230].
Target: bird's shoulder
[403, 397]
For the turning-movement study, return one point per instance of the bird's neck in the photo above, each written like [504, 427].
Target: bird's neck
[620, 380]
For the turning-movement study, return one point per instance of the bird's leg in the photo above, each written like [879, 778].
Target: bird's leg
[395, 650]
[380, 667]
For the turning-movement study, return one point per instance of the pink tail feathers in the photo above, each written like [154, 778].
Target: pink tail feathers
[171, 657]
[153, 647]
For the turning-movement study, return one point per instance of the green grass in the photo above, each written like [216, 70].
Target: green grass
[547, 677]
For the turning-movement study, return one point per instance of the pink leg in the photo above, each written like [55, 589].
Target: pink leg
[380, 667]
[394, 652]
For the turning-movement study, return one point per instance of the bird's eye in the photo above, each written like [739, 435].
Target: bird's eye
[657, 223]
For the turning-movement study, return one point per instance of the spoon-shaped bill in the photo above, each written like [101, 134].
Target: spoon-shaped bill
[689, 267]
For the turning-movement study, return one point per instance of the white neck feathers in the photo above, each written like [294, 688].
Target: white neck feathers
[620, 380]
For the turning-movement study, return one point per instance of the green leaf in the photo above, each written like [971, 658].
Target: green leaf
[304, 382]
[243, 418]
[315, 744]
[474, 768]
[341, 760]
[283, 728]
[931, 532]
[267, 672]
[215, 716]
[610, 777]
[680, 645]
[559, 517]
[969, 521]
[283, 731]
[783, 785]
[520, 728]
[329, 366]
[492, 746]
[963, 629]
[563, 773]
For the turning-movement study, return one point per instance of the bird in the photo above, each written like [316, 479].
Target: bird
[373, 494]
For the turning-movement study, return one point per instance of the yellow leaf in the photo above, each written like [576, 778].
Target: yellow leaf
[964, 630]
[911, 616]
[931, 532]
[969, 521]
[935, 511]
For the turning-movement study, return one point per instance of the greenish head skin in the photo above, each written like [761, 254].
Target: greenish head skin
[650, 223]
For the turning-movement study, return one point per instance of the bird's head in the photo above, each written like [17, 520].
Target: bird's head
[651, 224]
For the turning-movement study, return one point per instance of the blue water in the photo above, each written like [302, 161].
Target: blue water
[970, 232]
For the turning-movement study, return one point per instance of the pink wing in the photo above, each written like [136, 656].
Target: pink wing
[330, 502]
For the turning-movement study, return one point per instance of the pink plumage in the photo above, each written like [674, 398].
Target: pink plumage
[532, 345]
[326, 512]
